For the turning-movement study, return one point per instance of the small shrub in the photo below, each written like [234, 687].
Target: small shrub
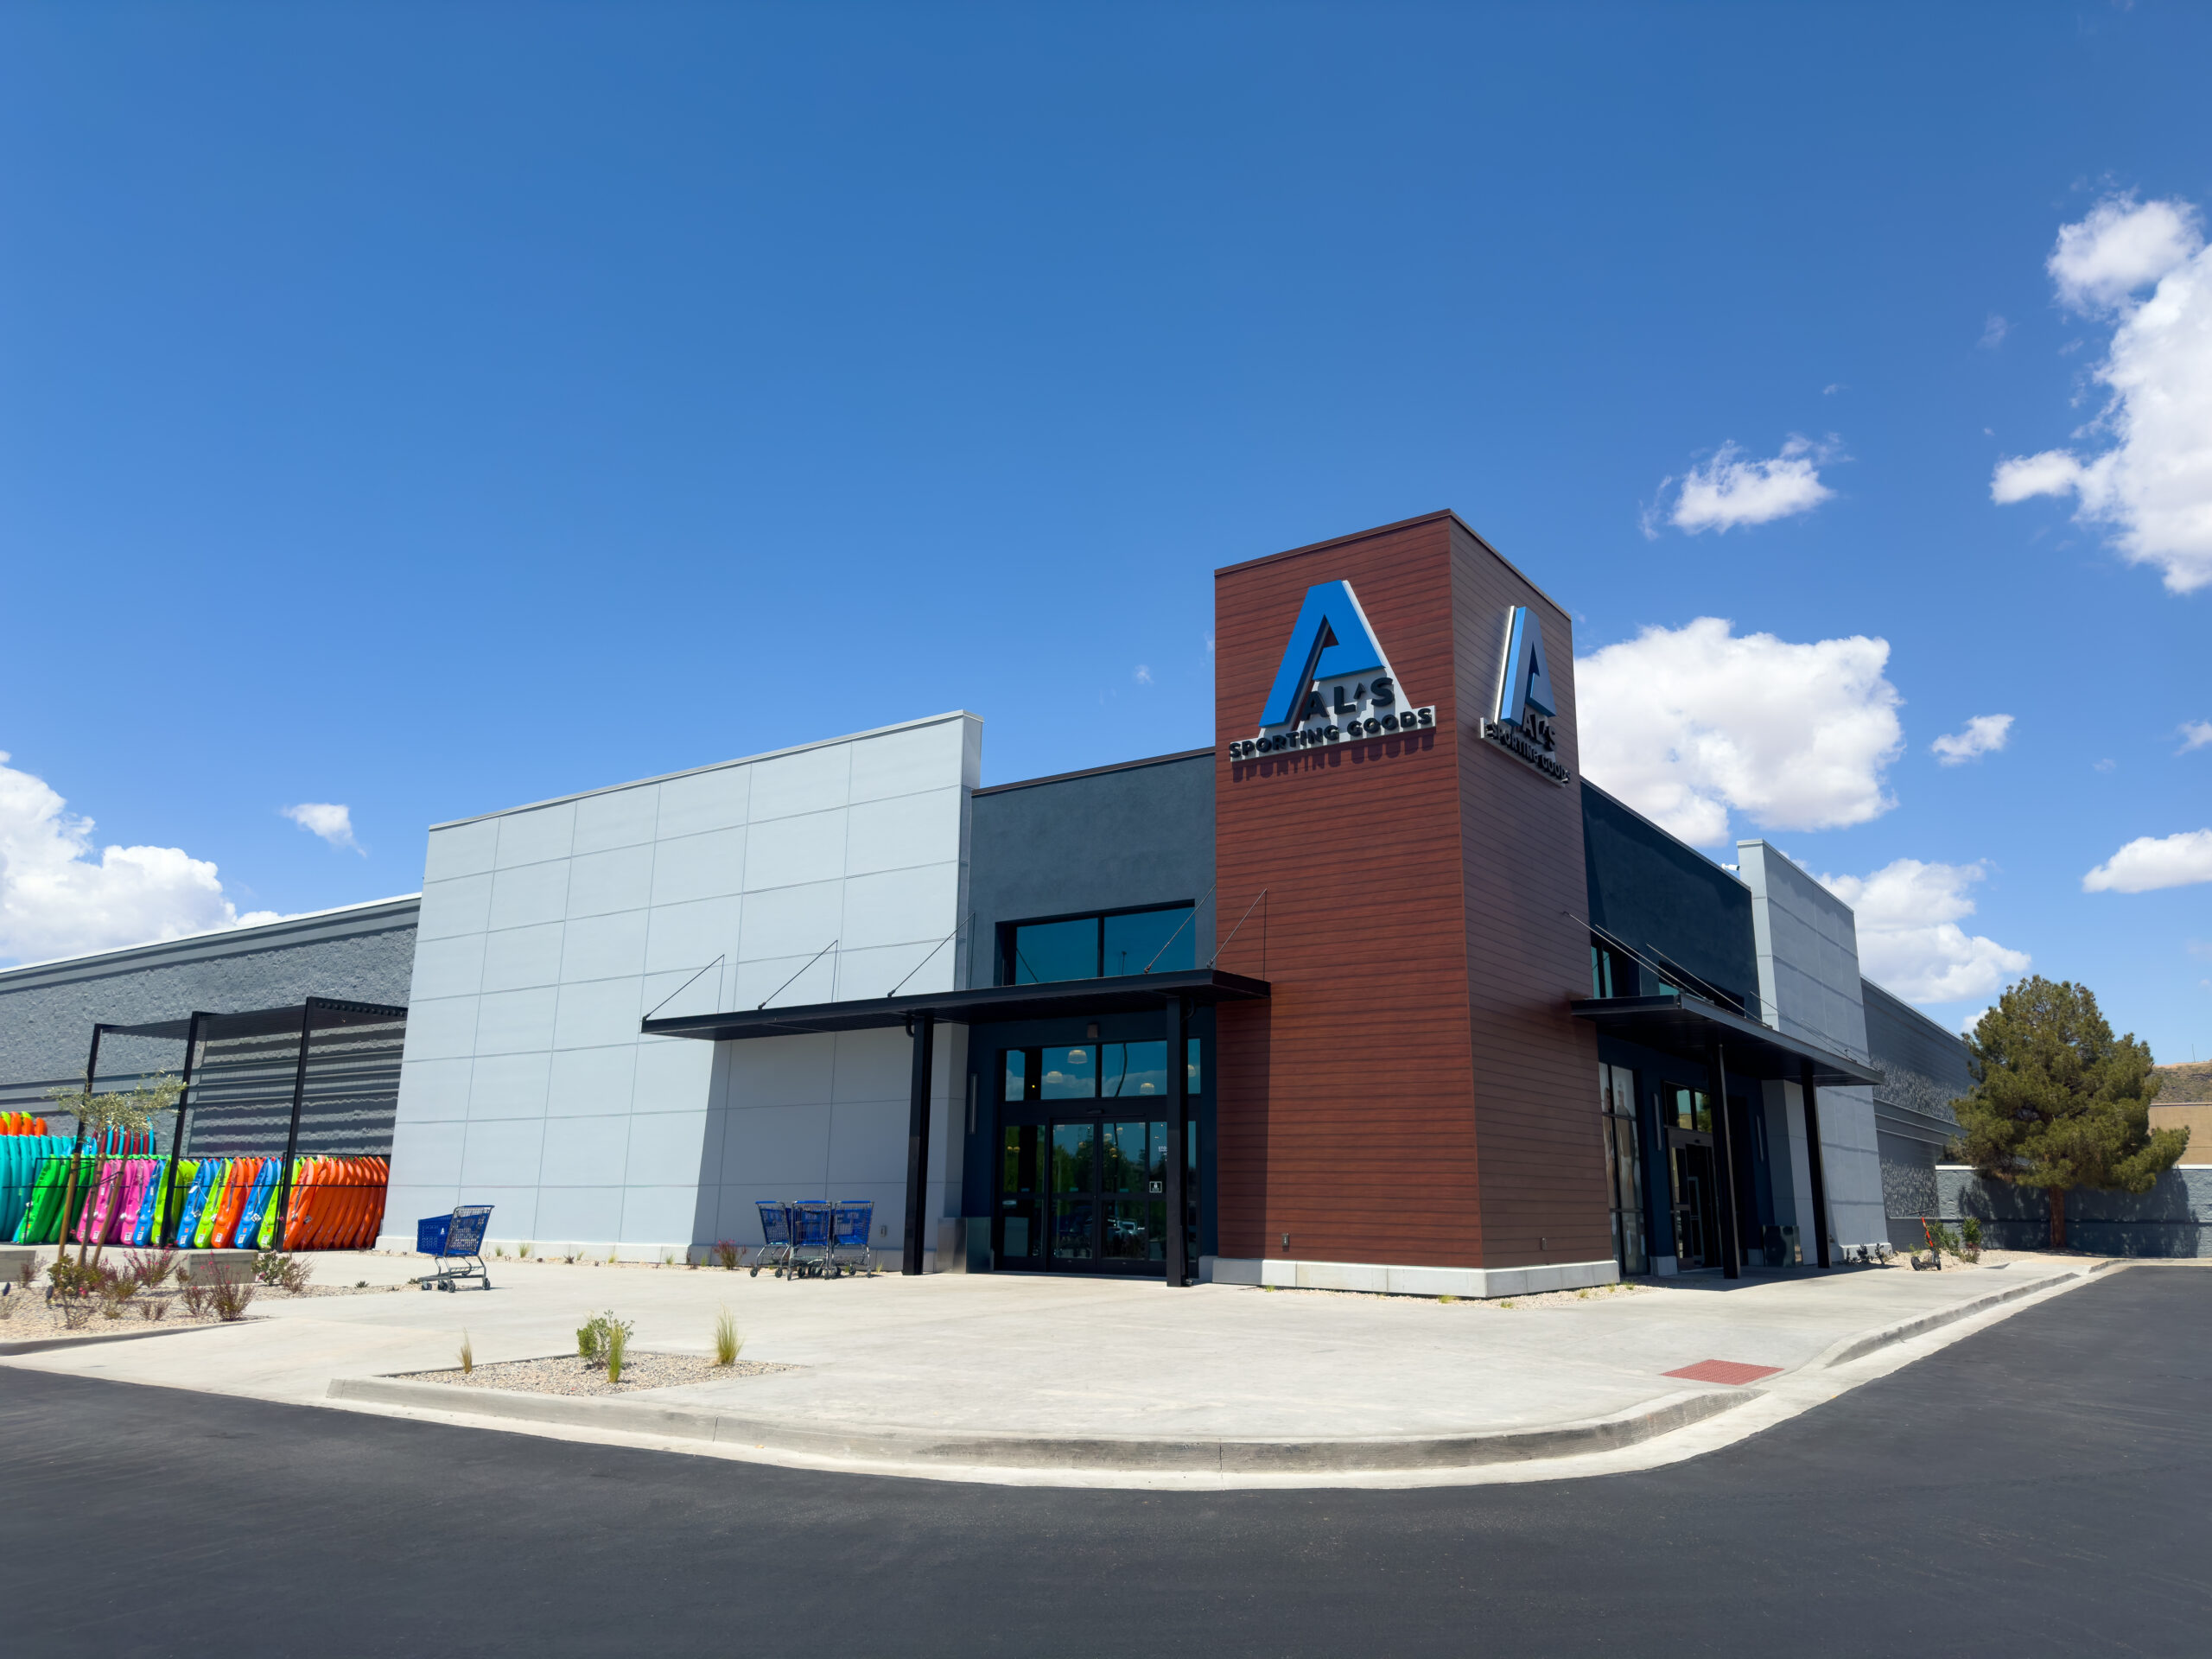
[1447, 1298]
[195, 1295]
[726, 1252]
[229, 1298]
[77, 1312]
[596, 1336]
[618, 1343]
[500, 1251]
[153, 1307]
[727, 1341]
[1970, 1230]
[152, 1268]
[522, 1249]
[610, 1255]
[1507, 1302]
[468, 1356]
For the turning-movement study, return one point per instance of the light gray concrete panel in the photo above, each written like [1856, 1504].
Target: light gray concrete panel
[673, 1075]
[807, 780]
[681, 937]
[434, 1090]
[792, 921]
[902, 906]
[900, 833]
[785, 982]
[597, 1014]
[516, 958]
[585, 1151]
[514, 1022]
[451, 967]
[592, 1082]
[534, 837]
[665, 1150]
[461, 849]
[620, 879]
[605, 947]
[908, 763]
[529, 893]
[905, 970]
[579, 1215]
[703, 801]
[699, 867]
[790, 852]
[442, 1028]
[868, 1142]
[509, 1085]
[451, 909]
[501, 1151]
[619, 818]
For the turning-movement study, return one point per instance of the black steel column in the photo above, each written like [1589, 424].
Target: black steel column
[1813, 1166]
[167, 1229]
[292, 1134]
[1179, 1134]
[1732, 1257]
[924, 1027]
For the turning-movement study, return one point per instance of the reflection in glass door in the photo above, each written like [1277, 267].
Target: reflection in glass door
[1696, 1207]
[1075, 1192]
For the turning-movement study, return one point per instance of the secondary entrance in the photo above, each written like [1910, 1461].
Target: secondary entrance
[1693, 1181]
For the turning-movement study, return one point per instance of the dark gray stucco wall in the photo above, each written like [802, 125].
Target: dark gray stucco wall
[1924, 1069]
[1655, 893]
[2173, 1218]
[365, 953]
[1117, 838]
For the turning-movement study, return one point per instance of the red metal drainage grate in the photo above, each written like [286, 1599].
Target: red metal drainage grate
[1724, 1371]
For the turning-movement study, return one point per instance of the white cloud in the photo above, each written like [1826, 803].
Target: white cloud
[56, 899]
[332, 822]
[1688, 724]
[1728, 490]
[1993, 332]
[1984, 734]
[2195, 735]
[2148, 863]
[1143, 676]
[2153, 485]
[2122, 245]
[1908, 934]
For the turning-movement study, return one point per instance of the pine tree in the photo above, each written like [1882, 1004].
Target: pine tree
[2058, 1102]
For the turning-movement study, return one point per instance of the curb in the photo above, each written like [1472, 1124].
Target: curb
[46, 1344]
[1852, 1348]
[911, 1446]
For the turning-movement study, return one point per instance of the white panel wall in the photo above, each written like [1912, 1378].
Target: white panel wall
[550, 931]
[1807, 944]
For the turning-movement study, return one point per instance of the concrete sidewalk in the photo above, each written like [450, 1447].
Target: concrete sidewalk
[953, 1373]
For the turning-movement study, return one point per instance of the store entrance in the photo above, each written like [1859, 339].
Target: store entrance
[1085, 1195]
[1697, 1201]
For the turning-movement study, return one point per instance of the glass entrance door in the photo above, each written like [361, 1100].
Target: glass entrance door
[1696, 1201]
[1110, 1194]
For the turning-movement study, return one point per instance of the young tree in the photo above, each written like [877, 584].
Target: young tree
[2058, 1102]
[96, 1115]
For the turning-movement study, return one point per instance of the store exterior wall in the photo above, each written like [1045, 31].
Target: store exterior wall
[1924, 1069]
[828, 872]
[2174, 1218]
[1808, 944]
[361, 953]
[1413, 1109]
[1114, 838]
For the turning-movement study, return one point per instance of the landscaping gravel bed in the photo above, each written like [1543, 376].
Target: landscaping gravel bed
[566, 1373]
[25, 1316]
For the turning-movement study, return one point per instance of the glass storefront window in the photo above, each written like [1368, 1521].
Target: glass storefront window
[1149, 941]
[1069, 1073]
[1017, 1074]
[1045, 951]
[1135, 1069]
[1688, 1109]
[1624, 1167]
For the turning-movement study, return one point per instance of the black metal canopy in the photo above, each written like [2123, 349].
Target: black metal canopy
[264, 1022]
[1678, 1023]
[1124, 993]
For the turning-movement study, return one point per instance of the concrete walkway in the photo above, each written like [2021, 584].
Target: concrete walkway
[1089, 1381]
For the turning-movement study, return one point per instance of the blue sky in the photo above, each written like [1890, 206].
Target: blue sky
[430, 408]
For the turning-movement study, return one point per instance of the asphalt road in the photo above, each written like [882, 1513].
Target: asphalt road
[2042, 1487]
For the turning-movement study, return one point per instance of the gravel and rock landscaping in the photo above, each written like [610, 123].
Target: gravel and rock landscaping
[566, 1373]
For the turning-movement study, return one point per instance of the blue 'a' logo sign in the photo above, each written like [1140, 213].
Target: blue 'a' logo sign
[1335, 685]
[1527, 705]
[1331, 638]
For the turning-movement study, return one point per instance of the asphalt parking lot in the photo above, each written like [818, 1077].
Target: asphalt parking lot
[2037, 1487]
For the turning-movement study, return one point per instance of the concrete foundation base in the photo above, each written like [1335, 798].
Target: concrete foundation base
[1380, 1278]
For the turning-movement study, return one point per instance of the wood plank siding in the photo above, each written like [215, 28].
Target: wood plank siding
[1415, 1092]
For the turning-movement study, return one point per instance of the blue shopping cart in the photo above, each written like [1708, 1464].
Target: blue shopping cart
[775, 1236]
[811, 1244]
[852, 1225]
[452, 1241]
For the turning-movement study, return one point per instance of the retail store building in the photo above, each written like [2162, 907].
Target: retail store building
[1376, 992]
